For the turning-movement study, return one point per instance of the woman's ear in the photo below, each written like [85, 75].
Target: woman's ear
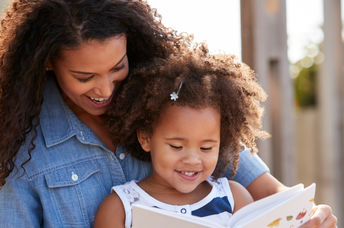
[144, 140]
[49, 66]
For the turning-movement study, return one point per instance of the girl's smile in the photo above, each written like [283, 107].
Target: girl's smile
[189, 175]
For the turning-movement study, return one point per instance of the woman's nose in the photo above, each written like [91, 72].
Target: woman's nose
[105, 86]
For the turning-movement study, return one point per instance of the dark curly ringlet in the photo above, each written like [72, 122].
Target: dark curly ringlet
[213, 81]
[33, 32]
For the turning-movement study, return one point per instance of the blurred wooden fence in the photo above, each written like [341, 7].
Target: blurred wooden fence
[306, 145]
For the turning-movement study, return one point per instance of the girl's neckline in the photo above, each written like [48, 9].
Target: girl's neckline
[168, 206]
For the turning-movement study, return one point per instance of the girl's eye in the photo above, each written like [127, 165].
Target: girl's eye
[84, 79]
[206, 148]
[116, 69]
[176, 147]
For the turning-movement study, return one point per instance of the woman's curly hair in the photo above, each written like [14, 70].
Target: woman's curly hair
[32, 33]
[213, 81]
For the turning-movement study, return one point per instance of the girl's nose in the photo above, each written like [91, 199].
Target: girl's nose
[192, 157]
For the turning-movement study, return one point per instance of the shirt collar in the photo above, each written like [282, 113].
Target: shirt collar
[58, 122]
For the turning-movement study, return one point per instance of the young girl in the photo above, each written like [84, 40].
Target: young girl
[194, 114]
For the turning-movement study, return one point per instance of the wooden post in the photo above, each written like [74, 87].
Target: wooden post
[330, 83]
[264, 48]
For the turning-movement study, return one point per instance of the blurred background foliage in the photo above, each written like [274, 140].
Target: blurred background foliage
[305, 73]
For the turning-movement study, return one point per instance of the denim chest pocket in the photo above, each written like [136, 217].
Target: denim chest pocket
[76, 191]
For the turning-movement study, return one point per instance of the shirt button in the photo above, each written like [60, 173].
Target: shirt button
[74, 177]
[121, 156]
[82, 135]
[183, 211]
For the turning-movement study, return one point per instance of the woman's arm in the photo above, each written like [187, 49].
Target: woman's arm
[265, 185]
[251, 166]
[20, 205]
[110, 213]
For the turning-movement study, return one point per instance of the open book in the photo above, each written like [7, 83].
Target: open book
[290, 208]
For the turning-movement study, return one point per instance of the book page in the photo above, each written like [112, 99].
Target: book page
[144, 217]
[256, 207]
[288, 211]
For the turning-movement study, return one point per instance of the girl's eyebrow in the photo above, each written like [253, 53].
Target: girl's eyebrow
[175, 138]
[182, 139]
[82, 72]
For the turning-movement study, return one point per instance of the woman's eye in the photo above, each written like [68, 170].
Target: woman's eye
[176, 147]
[116, 69]
[84, 79]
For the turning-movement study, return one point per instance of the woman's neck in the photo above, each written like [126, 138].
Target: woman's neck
[95, 123]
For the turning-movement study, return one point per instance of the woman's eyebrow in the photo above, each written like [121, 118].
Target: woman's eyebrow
[83, 72]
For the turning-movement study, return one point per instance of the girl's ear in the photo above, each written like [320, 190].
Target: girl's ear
[144, 140]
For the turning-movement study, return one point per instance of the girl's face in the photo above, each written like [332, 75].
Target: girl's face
[184, 147]
[89, 74]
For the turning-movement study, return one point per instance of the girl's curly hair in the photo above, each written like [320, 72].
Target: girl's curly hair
[32, 33]
[208, 81]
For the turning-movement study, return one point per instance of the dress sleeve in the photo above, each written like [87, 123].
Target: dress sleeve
[250, 168]
[127, 196]
[19, 205]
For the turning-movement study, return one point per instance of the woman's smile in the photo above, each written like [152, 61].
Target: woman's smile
[100, 102]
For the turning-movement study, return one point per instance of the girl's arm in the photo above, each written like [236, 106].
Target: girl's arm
[110, 213]
[241, 196]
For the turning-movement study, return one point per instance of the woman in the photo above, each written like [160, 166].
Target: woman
[60, 63]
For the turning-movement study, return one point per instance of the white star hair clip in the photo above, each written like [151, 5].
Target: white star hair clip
[174, 96]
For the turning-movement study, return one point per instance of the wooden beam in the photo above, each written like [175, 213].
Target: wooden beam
[264, 48]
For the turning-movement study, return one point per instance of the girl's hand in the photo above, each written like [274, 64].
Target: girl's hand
[322, 217]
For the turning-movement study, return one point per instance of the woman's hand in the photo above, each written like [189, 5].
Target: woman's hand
[322, 218]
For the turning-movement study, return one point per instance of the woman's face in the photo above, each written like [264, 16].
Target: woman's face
[89, 74]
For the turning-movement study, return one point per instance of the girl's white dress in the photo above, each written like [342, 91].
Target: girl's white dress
[217, 206]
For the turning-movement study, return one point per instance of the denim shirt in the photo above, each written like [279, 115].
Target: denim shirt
[71, 171]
